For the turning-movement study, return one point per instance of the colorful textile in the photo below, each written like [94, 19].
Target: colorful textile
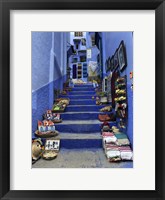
[113, 154]
[107, 134]
[126, 153]
[121, 136]
[108, 137]
[123, 142]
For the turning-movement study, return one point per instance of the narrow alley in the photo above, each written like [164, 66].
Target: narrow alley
[82, 99]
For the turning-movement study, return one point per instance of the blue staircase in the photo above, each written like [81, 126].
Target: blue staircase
[80, 127]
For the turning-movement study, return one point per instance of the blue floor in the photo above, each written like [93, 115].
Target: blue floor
[81, 118]
[80, 134]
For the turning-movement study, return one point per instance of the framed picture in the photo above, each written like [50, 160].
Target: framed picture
[109, 64]
[112, 63]
[116, 61]
[79, 182]
[106, 65]
[122, 56]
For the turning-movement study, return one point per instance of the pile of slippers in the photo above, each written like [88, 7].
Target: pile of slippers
[116, 144]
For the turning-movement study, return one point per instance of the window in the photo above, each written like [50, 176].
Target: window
[78, 34]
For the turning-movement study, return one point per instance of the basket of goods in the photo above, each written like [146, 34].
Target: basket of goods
[51, 149]
[46, 129]
[58, 107]
[64, 92]
[106, 109]
[37, 150]
[107, 117]
[54, 117]
[63, 100]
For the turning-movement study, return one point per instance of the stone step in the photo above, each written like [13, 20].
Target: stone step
[82, 93]
[81, 115]
[77, 96]
[82, 102]
[84, 108]
[80, 126]
[88, 85]
[83, 89]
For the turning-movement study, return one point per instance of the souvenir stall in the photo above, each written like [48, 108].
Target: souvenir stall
[116, 144]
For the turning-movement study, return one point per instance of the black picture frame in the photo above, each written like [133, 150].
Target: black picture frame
[122, 56]
[106, 65]
[116, 60]
[112, 63]
[5, 7]
[109, 63]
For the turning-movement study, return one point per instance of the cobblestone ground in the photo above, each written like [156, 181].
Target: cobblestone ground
[78, 158]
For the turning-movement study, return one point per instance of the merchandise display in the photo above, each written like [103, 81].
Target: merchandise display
[82, 101]
[54, 117]
[46, 129]
[37, 150]
[51, 149]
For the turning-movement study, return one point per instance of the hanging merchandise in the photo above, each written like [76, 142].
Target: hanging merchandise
[131, 75]
[121, 97]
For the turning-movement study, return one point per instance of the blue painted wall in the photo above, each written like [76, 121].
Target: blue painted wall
[111, 41]
[49, 60]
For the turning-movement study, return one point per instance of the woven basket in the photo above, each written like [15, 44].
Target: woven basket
[46, 134]
[49, 155]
